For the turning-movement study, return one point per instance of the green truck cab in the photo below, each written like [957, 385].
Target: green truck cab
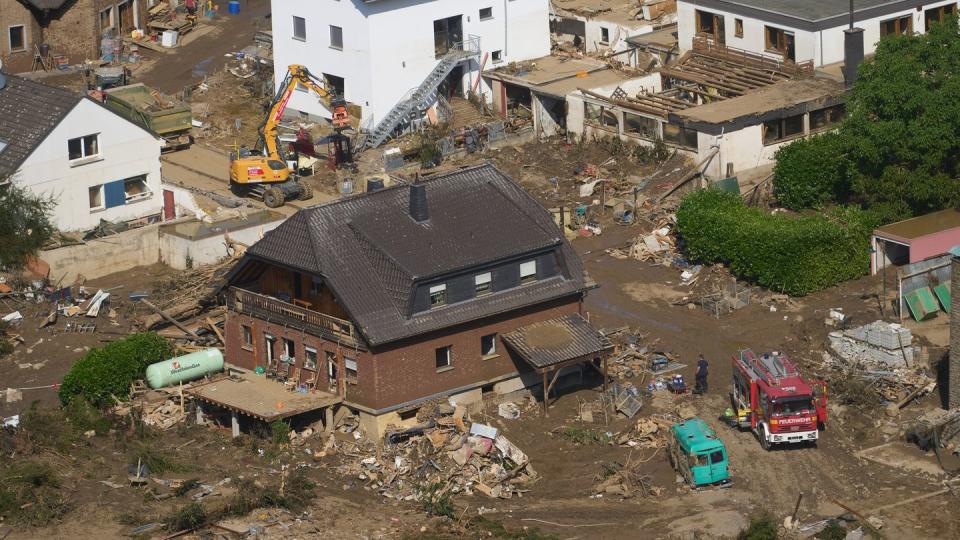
[697, 454]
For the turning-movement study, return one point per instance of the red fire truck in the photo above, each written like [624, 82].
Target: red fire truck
[772, 399]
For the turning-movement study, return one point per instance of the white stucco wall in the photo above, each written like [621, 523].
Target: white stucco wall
[126, 151]
[388, 46]
[175, 251]
[822, 47]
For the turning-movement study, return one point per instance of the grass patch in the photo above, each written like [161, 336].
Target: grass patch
[435, 499]
[47, 428]
[585, 436]
[187, 518]
[762, 527]
[157, 461]
[30, 495]
[280, 432]
[833, 531]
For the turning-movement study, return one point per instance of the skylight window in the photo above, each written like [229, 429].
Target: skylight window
[3, 145]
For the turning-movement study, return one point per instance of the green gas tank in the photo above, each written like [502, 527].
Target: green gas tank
[184, 368]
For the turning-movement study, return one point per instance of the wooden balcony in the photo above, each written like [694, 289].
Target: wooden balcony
[275, 310]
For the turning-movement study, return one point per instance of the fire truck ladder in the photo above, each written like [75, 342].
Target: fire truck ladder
[769, 366]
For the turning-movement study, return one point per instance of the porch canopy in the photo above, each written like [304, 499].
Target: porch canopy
[549, 346]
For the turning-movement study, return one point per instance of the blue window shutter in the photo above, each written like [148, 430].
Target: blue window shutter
[113, 194]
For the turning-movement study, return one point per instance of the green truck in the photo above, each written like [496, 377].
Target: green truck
[161, 115]
[697, 454]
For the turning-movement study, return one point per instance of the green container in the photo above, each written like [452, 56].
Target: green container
[162, 115]
[184, 368]
[698, 454]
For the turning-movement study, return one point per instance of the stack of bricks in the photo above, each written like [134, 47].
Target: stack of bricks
[954, 373]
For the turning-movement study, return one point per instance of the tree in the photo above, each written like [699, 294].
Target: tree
[25, 224]
[898, 151]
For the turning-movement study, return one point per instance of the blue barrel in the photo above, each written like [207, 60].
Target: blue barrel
[234, 7]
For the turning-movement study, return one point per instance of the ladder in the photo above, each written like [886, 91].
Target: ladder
[415, 101]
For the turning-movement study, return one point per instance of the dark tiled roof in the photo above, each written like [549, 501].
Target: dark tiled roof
[28, 113]
[46, 4]
[371, 252]
[549, 343]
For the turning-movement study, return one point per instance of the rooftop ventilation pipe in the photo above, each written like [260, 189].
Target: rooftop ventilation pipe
[852, 51]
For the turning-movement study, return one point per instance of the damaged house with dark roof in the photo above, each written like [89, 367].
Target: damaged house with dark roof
[450, 288]
[71, 29]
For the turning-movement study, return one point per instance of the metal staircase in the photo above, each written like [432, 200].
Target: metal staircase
[418, 99]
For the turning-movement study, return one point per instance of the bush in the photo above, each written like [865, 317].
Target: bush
[280, 432]
[435, 499]
[108, 371]
[812, 172]
[762, 527]
[187, 518]
[794, 255]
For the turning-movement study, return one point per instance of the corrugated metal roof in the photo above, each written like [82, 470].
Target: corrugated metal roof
[371, 252]
[28, 113]
[549, 343]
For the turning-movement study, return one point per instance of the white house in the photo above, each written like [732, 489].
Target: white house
[377, 51]
[803, 31]
[95, 164]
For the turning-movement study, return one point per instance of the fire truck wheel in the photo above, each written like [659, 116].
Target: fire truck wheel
[764, 442]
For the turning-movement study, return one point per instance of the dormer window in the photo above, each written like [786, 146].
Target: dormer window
[438, 295]
[528, 271]
[482, 283]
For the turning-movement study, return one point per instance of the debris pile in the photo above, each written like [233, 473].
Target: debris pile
[878, 344]
[444, 453]
[163, 415]
[647, 432]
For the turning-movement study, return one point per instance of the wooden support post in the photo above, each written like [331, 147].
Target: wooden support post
[546, 395]
[182, 412]
[556, 375]
[604, 360]
[235, 424]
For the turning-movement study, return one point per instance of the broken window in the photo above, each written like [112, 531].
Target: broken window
[680, 136]
[528, 271]
[438, 295]
[938, 14]
[310, 358]
[826, 118]
[334, 83]
[486, 13]
[604, 35]
[738, 28]
[17, 38]
[641, 126]
[106, 19]
[496, 56]
[775, 131]
[135, 189]
[289, 351]
[897, 26]
[83, 147]
[780, 41]
[710, 24]
[247, 335]
[331, 360]
[488, 345]
[444, 356]
[336, 37]
[350, 366]
[482, 283]
[299, 28]
[96, 197]
[601, 116]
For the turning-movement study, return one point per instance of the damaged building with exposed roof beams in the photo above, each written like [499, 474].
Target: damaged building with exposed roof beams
[593, 26]
[447, 289]
[729, 110]
[69, 29]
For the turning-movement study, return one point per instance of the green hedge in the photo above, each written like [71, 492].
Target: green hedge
[109, 370]
[812, 172]
[794, 255]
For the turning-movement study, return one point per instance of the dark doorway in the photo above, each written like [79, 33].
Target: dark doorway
[452, 85]
[447, 34]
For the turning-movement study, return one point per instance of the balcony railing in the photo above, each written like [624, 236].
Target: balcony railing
[274, 309]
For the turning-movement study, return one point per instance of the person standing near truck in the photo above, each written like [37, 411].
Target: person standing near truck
[702, 368]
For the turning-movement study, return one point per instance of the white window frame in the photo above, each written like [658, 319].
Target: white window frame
[449, 360]
[269, 341]
[307, 351]
[496, 56]
[103, 203]
[83, 148]
[528, 271]
[480, 280]
[493, 346]
[246, 336]
[332, 45]
[604, 30]
[139, 196]
[295, 36]
[351, 368]
[23, 35]
[488, 17]
[436, 289]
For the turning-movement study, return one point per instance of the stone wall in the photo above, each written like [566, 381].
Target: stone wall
[954, 369]
[13, 13]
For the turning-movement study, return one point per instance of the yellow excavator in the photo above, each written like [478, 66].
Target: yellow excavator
[263, 173]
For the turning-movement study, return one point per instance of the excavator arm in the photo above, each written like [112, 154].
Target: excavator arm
[296, 74]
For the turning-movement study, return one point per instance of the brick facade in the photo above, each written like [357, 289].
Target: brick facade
[74, 30]
[953, 381]
[404, 372]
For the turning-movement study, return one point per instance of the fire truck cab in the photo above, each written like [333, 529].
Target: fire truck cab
[772, 399]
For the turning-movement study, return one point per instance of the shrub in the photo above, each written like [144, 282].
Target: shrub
[812, 172]
[435, 499]
[187, 518]
[762, 527]
[280, 432]
[30, 494]
[108, 371]
[795, 255]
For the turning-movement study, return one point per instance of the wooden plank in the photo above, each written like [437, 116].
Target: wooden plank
[168, 318]
[216, 330]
